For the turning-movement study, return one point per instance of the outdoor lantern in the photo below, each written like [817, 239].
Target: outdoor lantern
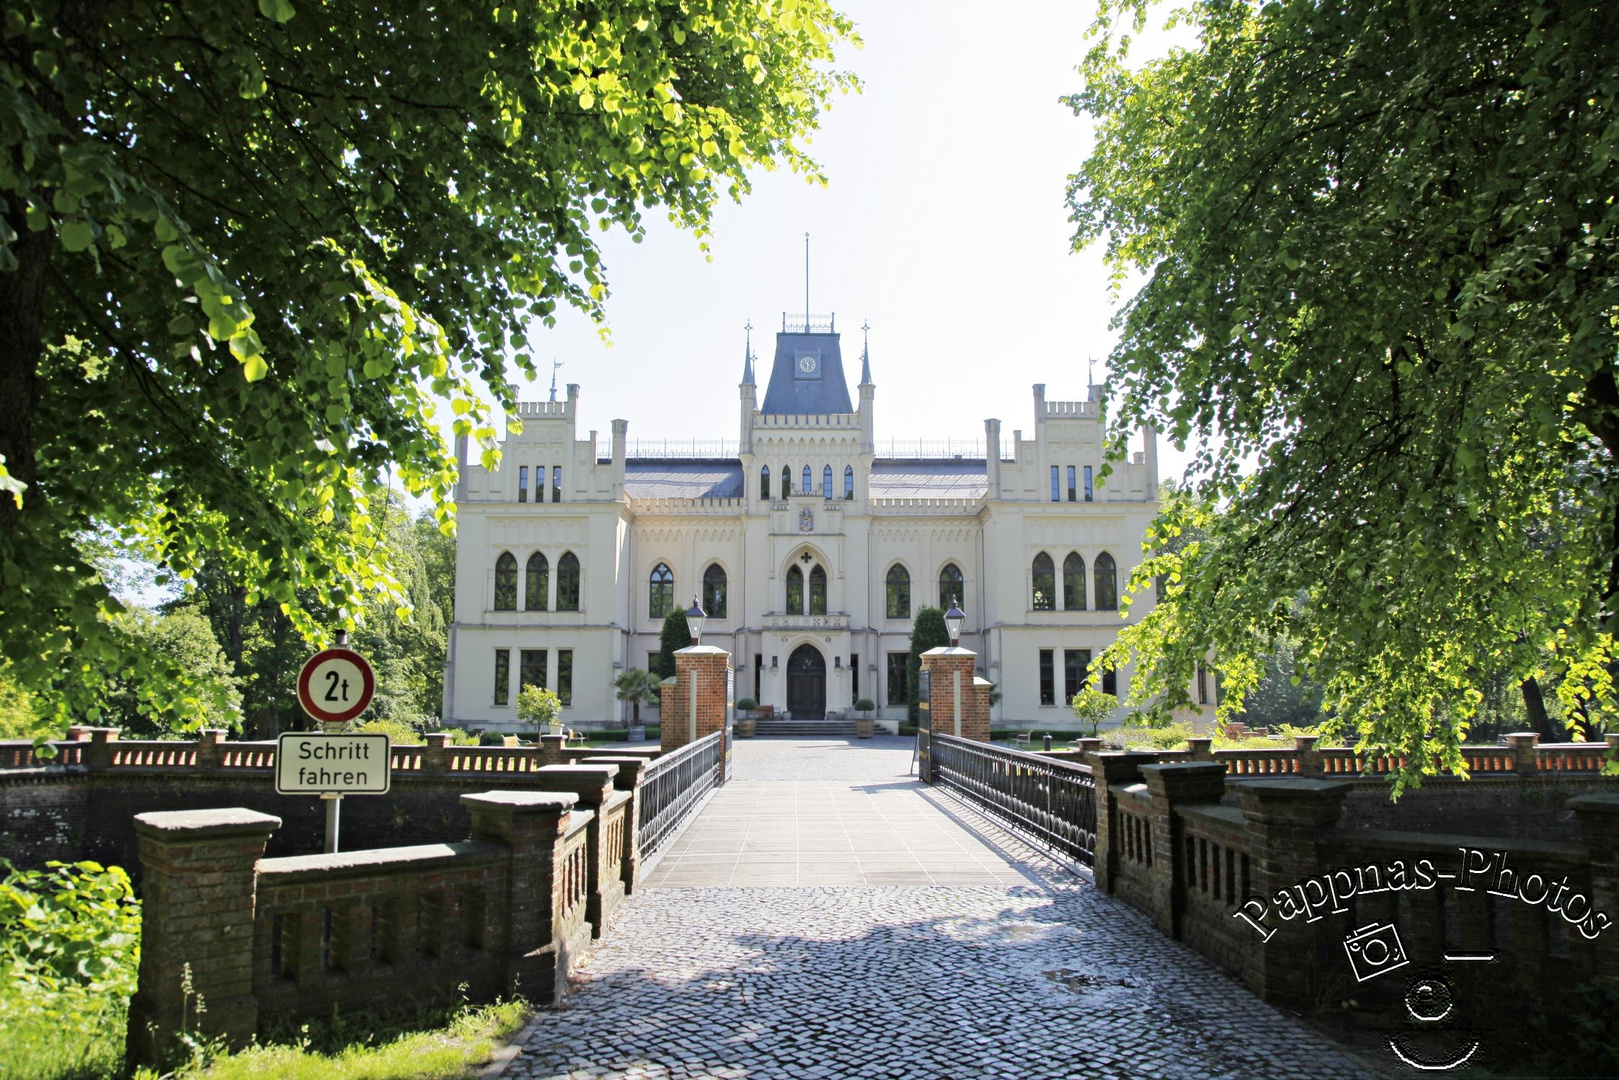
[695, 616]
[952, 622]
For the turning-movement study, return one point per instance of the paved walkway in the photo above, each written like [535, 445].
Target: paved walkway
[812, 924]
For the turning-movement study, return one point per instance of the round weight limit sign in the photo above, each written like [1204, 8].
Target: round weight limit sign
[335, 686]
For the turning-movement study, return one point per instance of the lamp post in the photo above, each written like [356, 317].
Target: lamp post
[695, 617]
[953, 620]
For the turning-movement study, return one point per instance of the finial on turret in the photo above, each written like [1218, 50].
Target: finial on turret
[747, 355]
[554, 365]
[865, 353]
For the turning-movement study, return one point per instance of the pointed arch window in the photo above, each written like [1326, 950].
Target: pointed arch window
[786, 480]
[1073, 582]
[506, 582]
[714, 591]
[795, 591]
[1107, 583]
[899, 592]
[660, 591]
[808, 488]
[764, 482]
[952, 585]
[568, 582]
[848, 482]
[1045, 583]
[536, 582]
[817, 590]
[826, 483]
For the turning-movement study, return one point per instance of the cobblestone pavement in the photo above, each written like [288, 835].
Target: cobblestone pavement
[1036, 975]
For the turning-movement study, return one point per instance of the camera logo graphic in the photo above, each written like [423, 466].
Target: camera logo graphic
[1373, 950]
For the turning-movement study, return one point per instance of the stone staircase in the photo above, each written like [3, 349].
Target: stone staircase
[806, 729]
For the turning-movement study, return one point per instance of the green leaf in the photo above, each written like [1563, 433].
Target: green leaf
[254, 368]
[76, 235]
[279, 10]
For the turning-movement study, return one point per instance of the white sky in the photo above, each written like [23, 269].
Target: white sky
[943, 224]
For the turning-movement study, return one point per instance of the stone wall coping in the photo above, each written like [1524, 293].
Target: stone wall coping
[1136, 792]
[586, 781]
[1286, 787]
[415, 859]
[1426, 841]
[701, 650]
[523, 802]
[949, 650]
[616, 759]
[979, 680]
[1185, 768]
[1225, 815]
[225, 821]
[577, 820]
[615, 800]
[1603, 802]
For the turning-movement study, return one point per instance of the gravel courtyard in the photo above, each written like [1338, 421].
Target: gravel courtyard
[756, 952]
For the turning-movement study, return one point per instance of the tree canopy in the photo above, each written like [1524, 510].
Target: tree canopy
[1378, 243]
[244, 249]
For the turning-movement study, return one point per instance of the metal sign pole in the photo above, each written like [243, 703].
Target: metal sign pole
[334, 809]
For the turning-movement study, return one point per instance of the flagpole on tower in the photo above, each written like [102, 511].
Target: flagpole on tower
[806, 284]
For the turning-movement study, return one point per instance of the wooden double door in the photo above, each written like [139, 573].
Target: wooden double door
[806, 684]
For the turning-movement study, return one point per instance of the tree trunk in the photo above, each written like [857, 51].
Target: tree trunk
[1534, 702]
[22, 309]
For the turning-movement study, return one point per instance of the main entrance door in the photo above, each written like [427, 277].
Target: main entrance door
[806, 683]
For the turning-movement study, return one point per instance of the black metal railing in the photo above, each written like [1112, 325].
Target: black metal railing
[1051, 802]
[675, 783]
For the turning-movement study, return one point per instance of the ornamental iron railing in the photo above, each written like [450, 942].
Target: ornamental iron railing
[674, 784]
[1051, 802]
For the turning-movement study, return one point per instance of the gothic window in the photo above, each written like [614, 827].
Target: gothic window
[1054, 496]
[786, 480]
[1089, 489]
[826, 482]
[660, 591]
[952, 586]
[764, 482]
[506, 582]
[503, 676]
[899, 592]
[556, 483]
[1073, 582]
[817, 591]
[795, 591]
[807, 489]
[714, 591]
[568, 582]
[1107, 583]
[1045, 583]
[848, 481]
[522, 483]
[1073, 494]
[536, 582]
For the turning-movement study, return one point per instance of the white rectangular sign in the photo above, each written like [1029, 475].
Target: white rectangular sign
[310, 764]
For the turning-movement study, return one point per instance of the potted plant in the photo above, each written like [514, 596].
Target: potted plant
[636, 686]
[863, 726]
[1092, 707]
[540, 706]
[744, 723]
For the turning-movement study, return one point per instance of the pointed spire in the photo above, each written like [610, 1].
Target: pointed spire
[747, 357]
[865, 354]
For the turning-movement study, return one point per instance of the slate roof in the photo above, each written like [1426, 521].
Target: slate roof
[928, 478]
[655, 478]
[790, 395]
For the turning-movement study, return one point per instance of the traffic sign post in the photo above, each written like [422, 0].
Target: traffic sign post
[334, 687]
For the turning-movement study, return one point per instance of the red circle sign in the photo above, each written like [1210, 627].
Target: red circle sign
[335, 686]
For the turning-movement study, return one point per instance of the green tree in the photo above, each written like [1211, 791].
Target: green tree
[245, 249]
[927, 632]
[183, 638]
[676, 635]
[1092, 706]
[20, 715]
[538, 706]
[636, 687]
[1380, 248]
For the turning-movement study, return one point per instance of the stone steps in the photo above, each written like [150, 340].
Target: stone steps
[806, 728]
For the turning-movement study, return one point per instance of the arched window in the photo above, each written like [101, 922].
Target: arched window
[660, 591]
[714, 591]
[786, 480]
[506, 582]
[826, 482]
[808, 489]
[952, 585]
[536, 583]
[568, 582]
[848, 481]
[1073, 582]
[817, 596]
[1107, 583]
[1045, 583]
[764, 482]
[899, 592]
[795, 591]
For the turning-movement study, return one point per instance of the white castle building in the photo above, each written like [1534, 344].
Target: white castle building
[810, 551]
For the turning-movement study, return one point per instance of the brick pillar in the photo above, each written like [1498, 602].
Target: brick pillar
[1110, 769]
[709, 667]
[1173, 785]
[98, 755]
[530, 825]
[593, 783]
[209, 748]
[198, 869]
[1307, 755]
[1599, 831]
[1200, 748]
[631, 771]
[551, 747]
[1283, 818]
[1522, 745]
[436, 755]
[949, 668]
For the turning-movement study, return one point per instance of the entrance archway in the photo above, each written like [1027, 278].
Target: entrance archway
[806, 684]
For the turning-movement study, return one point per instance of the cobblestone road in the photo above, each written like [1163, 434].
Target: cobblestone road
[1035, 977]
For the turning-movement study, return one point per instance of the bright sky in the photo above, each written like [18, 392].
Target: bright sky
[943, 224]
